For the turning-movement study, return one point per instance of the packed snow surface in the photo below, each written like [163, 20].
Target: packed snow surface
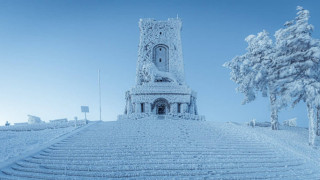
[169, 149]
[16, 142]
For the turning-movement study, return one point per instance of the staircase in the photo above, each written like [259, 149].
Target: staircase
[153, 149]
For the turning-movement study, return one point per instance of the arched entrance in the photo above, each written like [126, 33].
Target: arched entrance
[160, 106]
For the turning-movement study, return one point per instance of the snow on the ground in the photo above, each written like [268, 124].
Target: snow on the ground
[173, 149]
[15, 143]
[293, 139]
[41, 126]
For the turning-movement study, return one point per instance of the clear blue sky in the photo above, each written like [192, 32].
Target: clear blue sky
[50, 52]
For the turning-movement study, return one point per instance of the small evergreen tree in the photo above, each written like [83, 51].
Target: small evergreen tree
[297, 67]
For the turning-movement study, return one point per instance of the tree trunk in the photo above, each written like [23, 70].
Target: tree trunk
[274, 112]
[312, 124]
[318, 121]
[317, 128]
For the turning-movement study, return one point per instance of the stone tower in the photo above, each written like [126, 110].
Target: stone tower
[160, 89]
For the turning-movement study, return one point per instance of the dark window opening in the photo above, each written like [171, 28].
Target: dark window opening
[179, 107]
[160, 33]
[142, 107]
[160, 49]
[160, 60]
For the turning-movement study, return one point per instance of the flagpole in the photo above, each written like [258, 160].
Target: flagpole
[99, 93]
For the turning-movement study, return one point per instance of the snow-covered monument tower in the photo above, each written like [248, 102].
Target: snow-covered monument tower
[160, 89]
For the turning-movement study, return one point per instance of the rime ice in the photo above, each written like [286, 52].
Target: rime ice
[160, 83]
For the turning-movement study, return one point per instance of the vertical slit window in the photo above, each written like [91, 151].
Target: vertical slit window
[142, 107]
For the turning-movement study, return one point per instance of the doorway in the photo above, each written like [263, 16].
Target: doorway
[161, 106]
[161, 109]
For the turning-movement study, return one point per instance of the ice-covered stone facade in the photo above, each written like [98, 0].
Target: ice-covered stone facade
[160, 89]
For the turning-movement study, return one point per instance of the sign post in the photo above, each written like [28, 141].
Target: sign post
[85, 110]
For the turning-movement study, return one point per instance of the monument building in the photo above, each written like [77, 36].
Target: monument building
[160, 89]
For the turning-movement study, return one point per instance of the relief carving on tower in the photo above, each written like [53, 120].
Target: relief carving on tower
[151, 73]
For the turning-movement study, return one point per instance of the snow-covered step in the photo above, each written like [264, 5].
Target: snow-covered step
[158, 166]
[155, 155]
[130, 151]
[216, 162]
[221, 173]
[154, 149]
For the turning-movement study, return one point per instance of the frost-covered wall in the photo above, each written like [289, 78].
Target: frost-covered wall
[160, 89]
[164, 33]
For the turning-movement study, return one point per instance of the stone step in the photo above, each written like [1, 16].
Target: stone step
[156, 166]
[148, 172]
[163, 153]
[118, 151]
[138, 161]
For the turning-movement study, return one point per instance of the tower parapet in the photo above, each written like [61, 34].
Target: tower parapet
[160, 82]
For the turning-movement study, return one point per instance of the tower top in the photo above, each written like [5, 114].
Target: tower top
[175, 23]
[160, 50]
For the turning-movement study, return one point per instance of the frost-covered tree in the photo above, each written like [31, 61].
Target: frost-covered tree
[287, 71]
[297, 67]
[253, 72]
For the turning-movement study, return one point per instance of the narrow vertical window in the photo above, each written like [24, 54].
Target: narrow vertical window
[142, 107]
[179, 107]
